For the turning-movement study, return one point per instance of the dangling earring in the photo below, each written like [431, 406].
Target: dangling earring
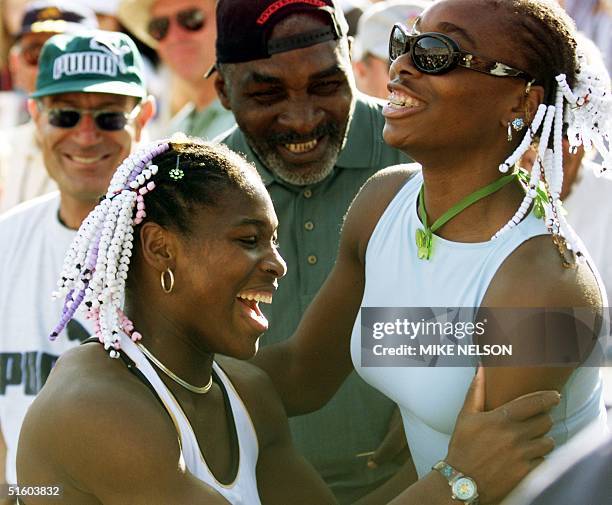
[517, 124]
[165, 288]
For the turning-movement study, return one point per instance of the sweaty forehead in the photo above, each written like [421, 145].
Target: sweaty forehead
[475, 24]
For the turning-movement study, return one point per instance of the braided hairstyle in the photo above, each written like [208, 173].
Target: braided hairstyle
[545, 37]
[164, 182]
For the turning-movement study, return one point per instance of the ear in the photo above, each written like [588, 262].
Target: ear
[148, 106]
[533, 97]
[222, 90]
[526, 104]
[359, 69]
[157, 246]
[33, 110]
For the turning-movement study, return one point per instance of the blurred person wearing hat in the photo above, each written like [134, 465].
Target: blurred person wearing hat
[89, 108]
[371, 47]
[284, 70]
[22, 171]
[106, 12]
[183, 34]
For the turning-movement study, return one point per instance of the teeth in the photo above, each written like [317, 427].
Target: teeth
[80, 159]
[400, 100]
[259, 297]
[302, 148]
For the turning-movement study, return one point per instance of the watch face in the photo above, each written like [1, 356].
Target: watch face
[464, 488]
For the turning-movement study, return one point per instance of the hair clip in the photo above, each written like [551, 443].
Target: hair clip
[176, 173]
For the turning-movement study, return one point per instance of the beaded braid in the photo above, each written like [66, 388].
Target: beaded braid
[589, 114]
[96, 265]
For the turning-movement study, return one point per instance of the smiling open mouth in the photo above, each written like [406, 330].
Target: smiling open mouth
[303, 147]
[86, 160]
[400, 100]
[251, 301]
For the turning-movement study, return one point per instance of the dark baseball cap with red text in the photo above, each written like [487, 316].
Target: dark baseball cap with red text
[244, 27]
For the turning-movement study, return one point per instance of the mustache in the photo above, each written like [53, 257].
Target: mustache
[331, 129]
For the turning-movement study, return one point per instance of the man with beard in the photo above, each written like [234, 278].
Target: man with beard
[283, 68]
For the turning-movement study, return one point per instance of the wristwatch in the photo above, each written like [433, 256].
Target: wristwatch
[462, 487]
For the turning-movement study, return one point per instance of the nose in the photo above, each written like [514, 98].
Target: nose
[301, 115]
[403, 67]
[175, 31]
[275, 264]
[86, 132]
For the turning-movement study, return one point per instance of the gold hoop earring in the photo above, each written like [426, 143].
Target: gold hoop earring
[165, 288]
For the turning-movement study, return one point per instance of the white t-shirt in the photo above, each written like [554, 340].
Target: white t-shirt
[33, 244]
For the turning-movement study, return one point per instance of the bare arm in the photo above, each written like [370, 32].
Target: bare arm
[308, 368]
[533, 277]
[107, 441]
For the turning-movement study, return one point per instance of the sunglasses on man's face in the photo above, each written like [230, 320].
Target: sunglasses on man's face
[104, 120]
[190, 19]
[436, 54]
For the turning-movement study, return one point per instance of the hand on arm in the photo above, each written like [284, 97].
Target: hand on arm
[496, 449]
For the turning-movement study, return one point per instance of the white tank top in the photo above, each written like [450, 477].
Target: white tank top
[243, 491]
[457, 275]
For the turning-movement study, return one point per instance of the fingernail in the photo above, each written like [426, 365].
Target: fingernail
[372, 464]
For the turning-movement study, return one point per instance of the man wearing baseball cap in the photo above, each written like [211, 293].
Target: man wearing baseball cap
[22, 171]
[90, 106]
[183, 33]
[283, 69]
[371, 48]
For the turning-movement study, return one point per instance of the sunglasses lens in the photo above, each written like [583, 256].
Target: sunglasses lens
[158, 28]
[63, 118]
[397, 43]
[191, 19]
[111, 121]
[431, 55]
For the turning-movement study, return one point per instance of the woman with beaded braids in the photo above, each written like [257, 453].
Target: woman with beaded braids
[194, 226]
[463, 90]
[472, 86]
[166, 421]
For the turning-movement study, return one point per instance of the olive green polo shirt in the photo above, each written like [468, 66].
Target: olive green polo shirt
[310, 218]
[206, 123]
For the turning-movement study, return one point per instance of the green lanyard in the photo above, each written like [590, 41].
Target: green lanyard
[424, 236]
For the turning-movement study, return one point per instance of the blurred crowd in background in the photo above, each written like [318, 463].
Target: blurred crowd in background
[175, 78]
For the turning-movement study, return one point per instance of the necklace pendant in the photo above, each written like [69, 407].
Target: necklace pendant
[423, 243]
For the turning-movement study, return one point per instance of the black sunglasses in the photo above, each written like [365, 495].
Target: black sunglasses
[436, 53]
[104, 119]
[189, 19]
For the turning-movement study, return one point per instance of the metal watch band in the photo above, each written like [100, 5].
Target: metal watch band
[452, 475]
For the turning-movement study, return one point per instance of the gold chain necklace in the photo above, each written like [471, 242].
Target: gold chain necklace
[194, 389]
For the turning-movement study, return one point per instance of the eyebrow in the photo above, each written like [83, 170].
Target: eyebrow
[251, 222]
[260, 78]
[452, 28]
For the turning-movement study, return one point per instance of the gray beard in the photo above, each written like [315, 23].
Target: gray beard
[273, 161]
